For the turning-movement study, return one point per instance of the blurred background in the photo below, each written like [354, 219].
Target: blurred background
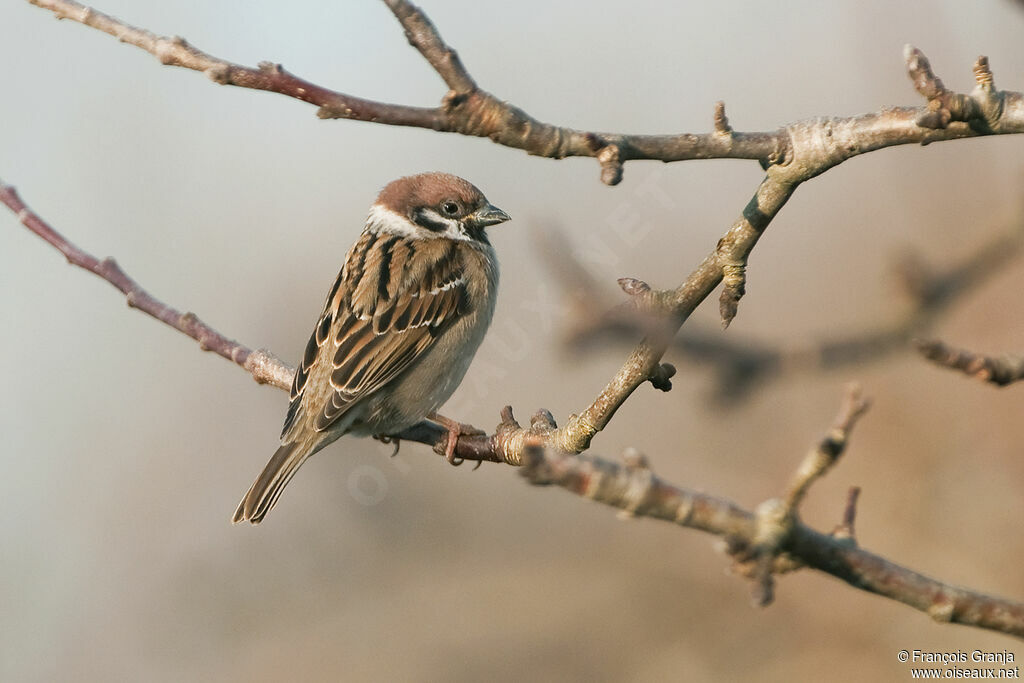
[126, 448]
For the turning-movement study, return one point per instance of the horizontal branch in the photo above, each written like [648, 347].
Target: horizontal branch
[469, 110]
[636, 490]
[621, 487]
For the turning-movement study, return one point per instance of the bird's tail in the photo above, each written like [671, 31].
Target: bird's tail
[263, 494]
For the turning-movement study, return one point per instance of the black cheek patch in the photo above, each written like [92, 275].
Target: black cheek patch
[420, 218]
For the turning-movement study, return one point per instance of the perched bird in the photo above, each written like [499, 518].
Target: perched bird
[401, 324]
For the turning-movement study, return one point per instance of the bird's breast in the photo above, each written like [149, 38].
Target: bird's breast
[435, 376]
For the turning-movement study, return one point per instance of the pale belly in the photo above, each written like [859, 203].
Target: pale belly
[430, 382]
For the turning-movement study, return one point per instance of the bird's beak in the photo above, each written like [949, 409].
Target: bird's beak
[488, 215]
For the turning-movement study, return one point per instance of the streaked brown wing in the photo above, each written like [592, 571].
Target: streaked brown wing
[380, 317]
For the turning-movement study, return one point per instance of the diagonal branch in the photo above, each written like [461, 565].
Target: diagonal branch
[265, 368]
[742, 365]
[824, 456]
[423, 36]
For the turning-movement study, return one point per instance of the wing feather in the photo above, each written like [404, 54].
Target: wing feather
[385, 316]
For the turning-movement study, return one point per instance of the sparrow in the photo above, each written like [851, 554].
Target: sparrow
[398, 331]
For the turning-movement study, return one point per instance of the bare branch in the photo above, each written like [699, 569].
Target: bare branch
[845, 530]
[424, 37]
[999, 370]
[268, 76]
[469, 110]
[942, 601]
[983, 108]
[762, 556]
[639, 492]
[791, 155]
[821, 459]
[261, 365]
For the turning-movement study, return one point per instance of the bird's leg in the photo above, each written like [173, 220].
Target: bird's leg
[455, 430]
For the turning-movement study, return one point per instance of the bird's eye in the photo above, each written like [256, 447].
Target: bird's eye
[450, 208]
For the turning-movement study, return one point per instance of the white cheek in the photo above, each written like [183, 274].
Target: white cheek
[386, 220]
[382, 219]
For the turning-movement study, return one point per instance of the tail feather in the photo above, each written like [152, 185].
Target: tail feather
[263, 494]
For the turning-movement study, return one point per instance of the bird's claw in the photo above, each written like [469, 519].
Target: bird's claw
[384, 438]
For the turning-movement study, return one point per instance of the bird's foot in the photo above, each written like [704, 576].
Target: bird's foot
[455, 430]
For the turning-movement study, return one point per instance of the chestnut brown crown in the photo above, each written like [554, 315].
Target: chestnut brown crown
[429, 189]
[441, 204]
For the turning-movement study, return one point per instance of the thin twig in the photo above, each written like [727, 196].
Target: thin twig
[999, 370]
[824, 456]
[845, 530]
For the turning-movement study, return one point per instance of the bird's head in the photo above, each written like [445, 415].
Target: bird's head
[435, 205]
